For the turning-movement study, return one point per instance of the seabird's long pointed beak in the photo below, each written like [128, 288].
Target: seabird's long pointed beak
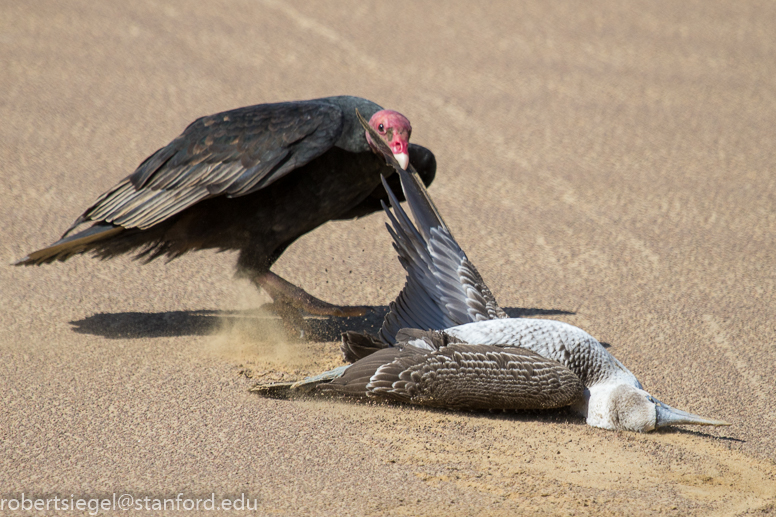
[403, 159]
[666, 415]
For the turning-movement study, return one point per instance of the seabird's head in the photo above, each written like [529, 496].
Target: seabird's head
[395, 129]
[627, 407]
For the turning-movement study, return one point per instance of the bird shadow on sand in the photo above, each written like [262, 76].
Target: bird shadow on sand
[137, 325]
[557, 415]
[682, 430]
[562, 415]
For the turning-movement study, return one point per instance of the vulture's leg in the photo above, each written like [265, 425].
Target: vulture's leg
[287, 297]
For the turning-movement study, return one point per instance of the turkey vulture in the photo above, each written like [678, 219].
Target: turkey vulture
[253, 179]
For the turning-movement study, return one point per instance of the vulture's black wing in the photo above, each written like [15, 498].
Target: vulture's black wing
[231, 153]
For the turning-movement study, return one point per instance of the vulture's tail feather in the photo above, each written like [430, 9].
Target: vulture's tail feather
[66, 247]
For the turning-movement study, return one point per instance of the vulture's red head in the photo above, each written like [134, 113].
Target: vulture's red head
[395, 129]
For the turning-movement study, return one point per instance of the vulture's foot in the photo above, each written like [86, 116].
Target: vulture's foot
[284, 292]
[293, 321]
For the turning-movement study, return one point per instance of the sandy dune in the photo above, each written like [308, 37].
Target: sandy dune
[609, 167]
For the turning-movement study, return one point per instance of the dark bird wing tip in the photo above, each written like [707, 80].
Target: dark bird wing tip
[24, 261]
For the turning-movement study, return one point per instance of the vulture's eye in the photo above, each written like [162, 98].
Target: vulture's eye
[381, 128]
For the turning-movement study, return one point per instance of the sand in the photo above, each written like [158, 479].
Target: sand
[604, 164]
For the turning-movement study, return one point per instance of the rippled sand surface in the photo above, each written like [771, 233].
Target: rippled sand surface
[608, 164]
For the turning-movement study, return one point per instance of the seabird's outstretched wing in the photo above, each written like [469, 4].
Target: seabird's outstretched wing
[443, 288]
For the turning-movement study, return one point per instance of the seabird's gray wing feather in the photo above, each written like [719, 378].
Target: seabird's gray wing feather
[355, 379]
[233, 153]
[461, 376]
[443, 288]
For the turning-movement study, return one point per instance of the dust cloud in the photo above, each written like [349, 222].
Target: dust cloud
[255, 340]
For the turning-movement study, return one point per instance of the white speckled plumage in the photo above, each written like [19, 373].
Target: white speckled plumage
[569, 345]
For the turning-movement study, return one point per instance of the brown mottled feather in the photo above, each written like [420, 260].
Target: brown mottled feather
[460, 376]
